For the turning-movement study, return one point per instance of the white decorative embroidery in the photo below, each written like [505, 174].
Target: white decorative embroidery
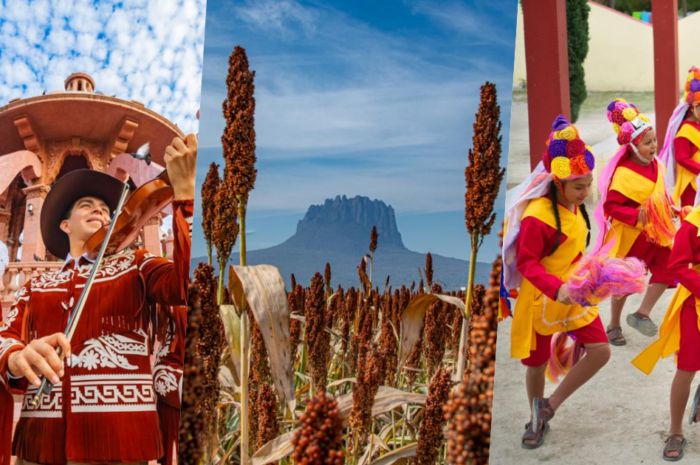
[166, 379]
[112, 393]
[51, 280]
[164, 348]
[112, 268]
[50, 406]
[110, 351]
[11, 317]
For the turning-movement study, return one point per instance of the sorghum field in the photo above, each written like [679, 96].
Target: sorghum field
[310, 373]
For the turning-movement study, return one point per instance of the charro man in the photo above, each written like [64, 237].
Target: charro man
[103, 407]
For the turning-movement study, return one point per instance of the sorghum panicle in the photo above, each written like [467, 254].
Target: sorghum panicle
[430, 437]
[319, 437]
[192, 437]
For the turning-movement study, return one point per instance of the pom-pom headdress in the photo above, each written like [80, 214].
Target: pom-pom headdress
[627, 122]
[692, 86]
[691, 97]
[567, 156]
[630, 126]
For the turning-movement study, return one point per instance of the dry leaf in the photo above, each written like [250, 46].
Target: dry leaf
[275, 450]
[267, 298]
[232, 326]
[341, 381]
[226, 378]
[412, 320]
[397, 454]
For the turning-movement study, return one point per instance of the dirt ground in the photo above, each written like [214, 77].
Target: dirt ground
[621, 415]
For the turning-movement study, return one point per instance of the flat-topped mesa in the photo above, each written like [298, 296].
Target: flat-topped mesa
[346, 224]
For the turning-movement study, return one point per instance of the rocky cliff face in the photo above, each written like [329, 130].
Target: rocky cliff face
[345, 224]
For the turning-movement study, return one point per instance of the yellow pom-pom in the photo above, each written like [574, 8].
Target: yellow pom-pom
[568, 133]
[644, 118]
[629, 113]
[616, 128]
[621, 100]
[561, 167]
[691, 75]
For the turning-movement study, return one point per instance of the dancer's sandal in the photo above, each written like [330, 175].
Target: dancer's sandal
[644, 325]
[615, 336]
[674, 443]
[531, 435]
[542, 412]
[694, 414]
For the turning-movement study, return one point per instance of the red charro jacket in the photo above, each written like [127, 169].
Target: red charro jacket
[106, 407]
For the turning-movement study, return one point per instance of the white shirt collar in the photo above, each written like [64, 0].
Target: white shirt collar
[75, 261]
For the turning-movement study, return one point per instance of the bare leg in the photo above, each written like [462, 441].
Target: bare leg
[653, 294]
[680, 392]
[616, 306]
[534, 381]
[597, 355]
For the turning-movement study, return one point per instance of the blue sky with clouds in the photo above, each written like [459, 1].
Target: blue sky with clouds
[361, 98]
[145, 50]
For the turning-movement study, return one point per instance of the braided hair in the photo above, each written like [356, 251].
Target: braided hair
[555, 210]
[584, 213]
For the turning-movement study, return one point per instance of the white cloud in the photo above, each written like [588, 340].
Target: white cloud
[134, 49]
[473, 21]
[280, 16]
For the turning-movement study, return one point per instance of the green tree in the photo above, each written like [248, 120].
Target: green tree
[577, 32]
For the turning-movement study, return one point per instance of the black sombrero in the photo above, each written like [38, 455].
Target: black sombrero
[64, 193]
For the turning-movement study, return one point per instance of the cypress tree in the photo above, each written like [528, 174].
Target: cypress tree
[577, 32]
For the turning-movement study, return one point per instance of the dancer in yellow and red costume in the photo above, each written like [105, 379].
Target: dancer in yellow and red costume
[679, 332]
[680, 153]
[547, 231]
[634, 215]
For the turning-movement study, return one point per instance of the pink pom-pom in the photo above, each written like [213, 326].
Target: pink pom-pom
[627, 127]
[599, 276]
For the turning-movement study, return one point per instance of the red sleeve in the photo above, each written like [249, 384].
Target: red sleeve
[619, 207]
[166, 281]
[11, 340]
[535, 241]
[684, 150]
[681, 259]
